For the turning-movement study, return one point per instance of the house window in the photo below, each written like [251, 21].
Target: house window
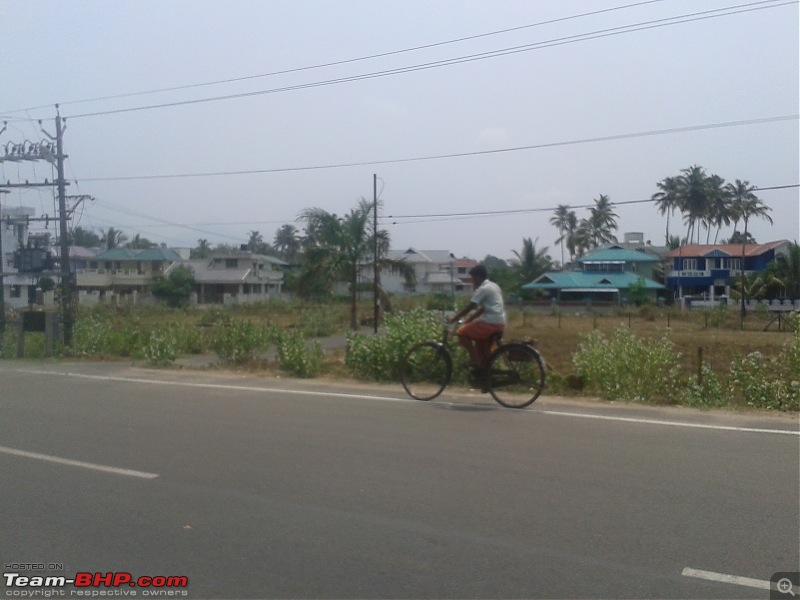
[16, 291]
[93, 264]
[107, 265]
[690, 264]
[231, 263]
[735, 264]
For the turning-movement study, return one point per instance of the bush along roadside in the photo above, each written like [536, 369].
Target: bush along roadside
[624, 367]
[296, 358]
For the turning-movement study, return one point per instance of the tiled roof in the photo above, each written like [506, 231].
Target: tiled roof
[725, 249]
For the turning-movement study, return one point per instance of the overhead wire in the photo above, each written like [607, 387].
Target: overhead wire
[349, 60]
[606, 138]
[642, 26]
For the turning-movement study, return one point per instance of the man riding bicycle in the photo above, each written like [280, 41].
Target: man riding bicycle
[487, 318]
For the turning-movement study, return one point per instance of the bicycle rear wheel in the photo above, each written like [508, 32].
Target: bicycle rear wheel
[516, 375]
[426, 370]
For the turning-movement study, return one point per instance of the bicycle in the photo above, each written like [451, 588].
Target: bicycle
[515, 376]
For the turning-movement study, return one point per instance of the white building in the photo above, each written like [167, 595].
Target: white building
[14, 233]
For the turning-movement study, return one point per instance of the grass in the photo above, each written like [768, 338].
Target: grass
[715, 337]
[558, 337]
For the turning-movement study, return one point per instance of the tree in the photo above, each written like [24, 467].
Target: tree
[287, 242]
[112, 238]
[561, 220]
[787, 270]
[599, 227]
[343, 247]
[140, 243]
[256, 243]
[667, 199]
[84, 238]
[532, 262]
[203, 249]
[176, 287]
[719, 207]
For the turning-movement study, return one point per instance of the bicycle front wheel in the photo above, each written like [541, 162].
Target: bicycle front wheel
[516, 375]
[426, 370]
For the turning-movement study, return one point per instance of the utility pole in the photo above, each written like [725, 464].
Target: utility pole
[61, 183]
[66, 275]
[2, 267]
[375, 248]
[2, 281]
[29, 151]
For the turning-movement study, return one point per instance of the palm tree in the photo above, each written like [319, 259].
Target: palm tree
[255, 242]
[287, 242]
[602, 221]
[572, 232]
[561, 220]
[719, 208]
[745, 205]
[694, 199]
[203, 249]
[344, 246]
[140, 243]
[667, 199]
[532, 262]
[787, 267]
[112, 238]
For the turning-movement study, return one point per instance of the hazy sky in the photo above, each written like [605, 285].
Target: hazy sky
[576, 105]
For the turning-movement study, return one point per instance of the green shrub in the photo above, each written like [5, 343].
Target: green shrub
[706, 392]
[90, 336]
[380, 357]
[161, 347]
[319, 322]
[297, 359]
[628, 368]
[238, 341]
[761, 383]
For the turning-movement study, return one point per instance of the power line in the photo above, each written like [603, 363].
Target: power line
[345, 61]
[614, 31]
[607, 138]
[433, 217]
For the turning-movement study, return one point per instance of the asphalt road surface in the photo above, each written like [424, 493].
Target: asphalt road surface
[269, 488]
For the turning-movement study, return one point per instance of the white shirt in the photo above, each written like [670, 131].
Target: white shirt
[489, 296]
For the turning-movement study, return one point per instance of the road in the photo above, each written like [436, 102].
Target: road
[272, 488]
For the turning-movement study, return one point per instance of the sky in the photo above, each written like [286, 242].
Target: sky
[275, 107]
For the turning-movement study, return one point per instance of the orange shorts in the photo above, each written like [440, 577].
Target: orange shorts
[479, 330]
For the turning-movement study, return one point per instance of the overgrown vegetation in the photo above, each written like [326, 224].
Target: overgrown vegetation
[642, 354]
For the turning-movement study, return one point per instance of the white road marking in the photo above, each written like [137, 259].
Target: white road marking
[724, 578]
[409, 400]
[77, 463]
[669, 423]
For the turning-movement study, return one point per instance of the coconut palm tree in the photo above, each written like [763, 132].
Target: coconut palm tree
[694, 199]
[667, 199]
[112, 238]
[287, 242]
[787, 267]
[344, 247]
[602, 222]
[203, 249]
[744, 206]
[140, 243]
[719, 208]
[532, 262]
[561, 221]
